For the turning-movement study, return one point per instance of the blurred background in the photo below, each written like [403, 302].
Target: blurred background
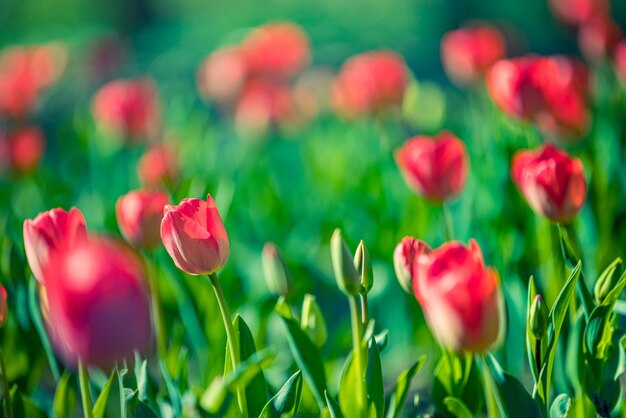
[293, 186]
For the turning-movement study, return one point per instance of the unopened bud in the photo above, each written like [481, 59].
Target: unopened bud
[343, 265]
[363, 265]
[538, 318]
[312, 321]
[274, 270]
[607, 281]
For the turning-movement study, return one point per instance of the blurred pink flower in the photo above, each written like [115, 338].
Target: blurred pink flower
[468, 53]
[552, 182]
[98, 306]
[435, 167]
[157, 166]
[139, 214]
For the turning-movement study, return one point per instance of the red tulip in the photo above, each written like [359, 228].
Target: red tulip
[157, 166]
[620, 59]
[404, 256]
[598, 38]
[139, 214]
[194, 236]
[469, 52]
[460, 296]
[368, 83]
[550, 91]
[26, 147]
[98, 308]
[552, 182]
[3, 306]
[436, 167]
[25, 72]
[223, 74]
[129, 109]
[263, 104]
[576, 12]
[278, 49]
[48, 232]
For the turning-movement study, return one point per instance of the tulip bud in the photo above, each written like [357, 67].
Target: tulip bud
[552, 182]
[97, 303]
[607, 281]
[538, 318]
[312, 321]
[346, 275]
[139, 214]
[363, 265]
[404, 261]
[194, 236]
[274, 271]
[48, 231]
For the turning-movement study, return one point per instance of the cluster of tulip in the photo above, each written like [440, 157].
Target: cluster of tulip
[99, 305]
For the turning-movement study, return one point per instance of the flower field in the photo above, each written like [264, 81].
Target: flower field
[291, 213]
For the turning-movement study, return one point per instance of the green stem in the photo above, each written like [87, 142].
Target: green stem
[157, 309]
[364, 311]
[357, 335]
[233, 343]
[5, 387]
[85, 392]
[490, 391]
[448, 228]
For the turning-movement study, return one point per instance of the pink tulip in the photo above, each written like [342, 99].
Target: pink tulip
[98, 306]
[436, 167]
[404, 256]
[223, 74]
[139, 214]
[129, 109]
[576, 12]
[469, 52]
[460, 296]
[157, 166]
[194, 236]
[552, 182]
[4, 310]
[48, 232]
[598, 38]
[620, 59]
[279, 49]
[370, 83]
[26, 146]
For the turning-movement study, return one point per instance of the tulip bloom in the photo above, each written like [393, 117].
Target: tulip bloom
[4, 310]
[139, 214]
[550, 91]
[469, 52]
[21, 150]
[552, 182]
[404, 256]
[129, 109]
[194, 236]
[223, 74]
[460, 296]
[279, 49]
[435, 168]
[47, 233]
[598, 38]
[576, 12]
[369, 83]
[263, 104]
[157, 166]
[98, 306]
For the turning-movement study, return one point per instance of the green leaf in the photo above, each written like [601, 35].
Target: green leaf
[573, 258]
[333, 408]
[35, 315]
[557, 316]
[172, 391]
[256, 390]
[621, 365]
[512, 399]
[374, 380]
[530, 338]
[561, 406]
[457, 408]
[24, 406]
[141, 375]
[286, 400]
[598, 332]
[400, 392]
[111, 402]
[348, 390]
[306, 354]
[64, 397]
[217, 394]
